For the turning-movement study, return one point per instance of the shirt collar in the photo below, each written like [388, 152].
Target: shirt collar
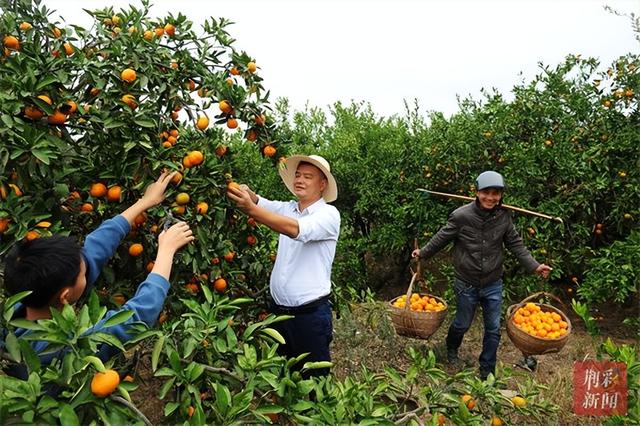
[313, 207]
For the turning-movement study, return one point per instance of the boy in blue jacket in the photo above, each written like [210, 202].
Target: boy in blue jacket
[58, 271]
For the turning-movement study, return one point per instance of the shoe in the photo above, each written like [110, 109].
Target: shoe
[528, 363]
[452, 357]
[484, 374]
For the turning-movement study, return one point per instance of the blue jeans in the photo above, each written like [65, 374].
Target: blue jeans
[468, 298]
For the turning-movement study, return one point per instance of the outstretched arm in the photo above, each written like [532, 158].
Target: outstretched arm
[153, 196]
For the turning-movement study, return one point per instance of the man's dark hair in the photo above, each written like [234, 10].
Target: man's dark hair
[44, 266]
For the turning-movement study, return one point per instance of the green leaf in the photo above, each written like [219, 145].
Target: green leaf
[118, 318]
[41, 155]
[274, 334]
[13, 347]
[96, 362]
[68, 417]
[157, 350]
[30, 356]
[145, 123]
[26, 324]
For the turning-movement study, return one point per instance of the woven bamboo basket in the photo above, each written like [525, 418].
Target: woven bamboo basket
[533, 345]
[419, 325]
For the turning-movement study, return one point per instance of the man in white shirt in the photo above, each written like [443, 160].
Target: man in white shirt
[301, 278]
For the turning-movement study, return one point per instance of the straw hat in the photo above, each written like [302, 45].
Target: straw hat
[288, 172]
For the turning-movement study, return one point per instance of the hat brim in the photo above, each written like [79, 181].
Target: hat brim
[288, 169]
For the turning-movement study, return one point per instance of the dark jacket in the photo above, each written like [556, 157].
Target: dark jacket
[478, 237]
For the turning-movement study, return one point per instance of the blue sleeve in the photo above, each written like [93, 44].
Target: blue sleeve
[101, 244]
[146, 305]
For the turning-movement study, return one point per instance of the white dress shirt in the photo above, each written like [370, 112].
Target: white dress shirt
[302, 271]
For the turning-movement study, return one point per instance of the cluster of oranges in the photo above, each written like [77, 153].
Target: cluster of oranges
[532, 320]
[419, 303]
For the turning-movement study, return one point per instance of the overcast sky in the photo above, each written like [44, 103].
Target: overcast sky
[387, 51]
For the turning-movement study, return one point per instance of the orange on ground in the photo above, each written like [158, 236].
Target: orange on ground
[220, 285]
[519, 401]
[496, 421]
[128, 75]
[114, 193]
[203, 122]
[136, 249]
[98, 190]
[469, 401]
[103, 384]
[202, 207]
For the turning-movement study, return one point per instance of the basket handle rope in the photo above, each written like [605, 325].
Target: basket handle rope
[533, 297]
[417, 276]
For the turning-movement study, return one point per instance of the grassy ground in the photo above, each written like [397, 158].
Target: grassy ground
[365, 337]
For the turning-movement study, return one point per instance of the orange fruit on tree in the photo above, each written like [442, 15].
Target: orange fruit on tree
[33, 113]
[229, 81]
[202, 207]
[114, 193]
[251, 240]
[251, 67]
[192, 287]
[68, 49]
[4, 224]
[182, 199]
[148, 35]
[25, 26]
[225, 107]
[196, 158]
[104, 383]
[260, 119]
[98, 190]
[251, 222]
[163, 318]
[170, 30]
[203, 122]
[128, 75]
[234, 71]
[221, 150]
[69, 107]
[43, 224]
[229, 256]
[136, 249]
[11, 42]
[57, 118]
[32, 235]
[174, 65]
[186, 161]
[177, 178]
[252, 135]
[128, 378]
[119, 299]
[57, 33]
[232, 123]
[140, 219]
[159, 31]
[150, 266]
[220, 285]
[130, 100]
[269, 151]
[215, 261]
[86, 207]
